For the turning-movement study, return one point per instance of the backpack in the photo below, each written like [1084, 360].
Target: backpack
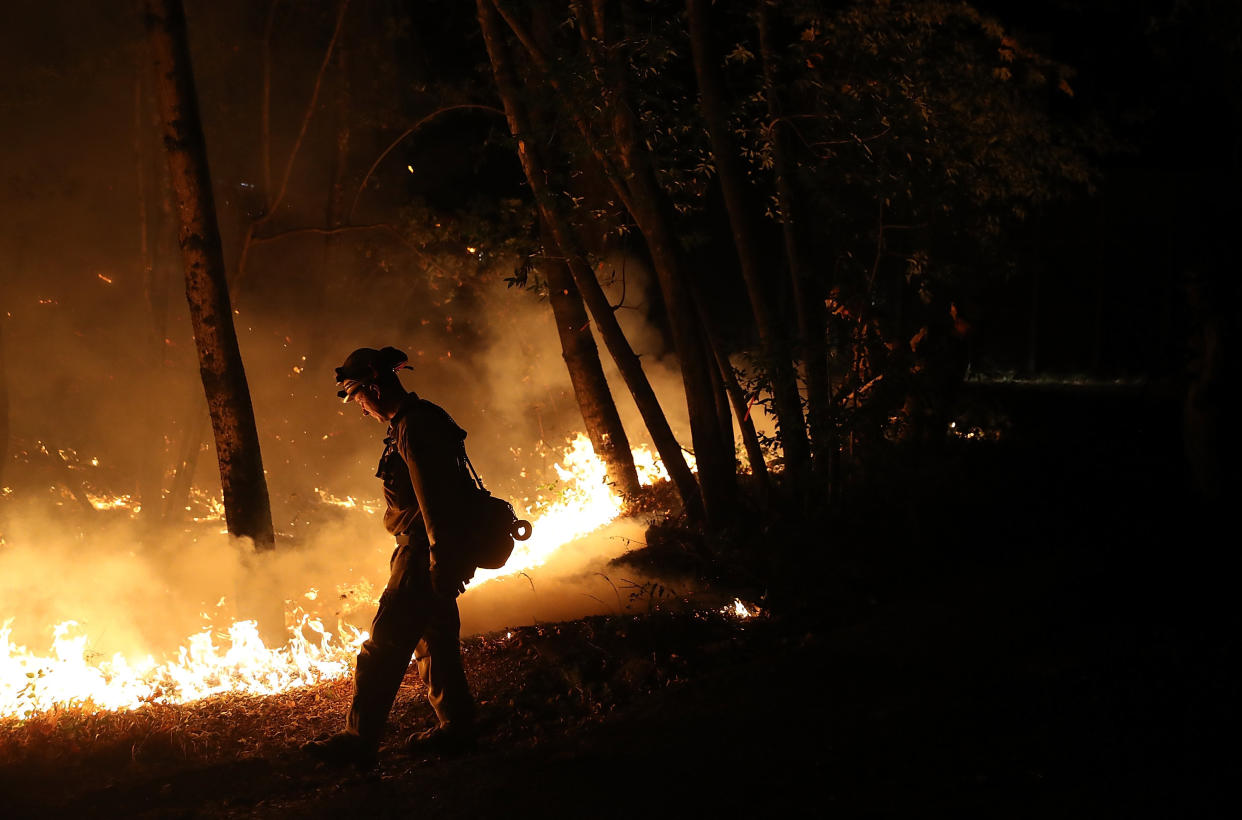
[496, 526]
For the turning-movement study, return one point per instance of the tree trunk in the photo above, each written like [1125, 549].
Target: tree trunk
[193, 434]
[745, 422]
[596, 301]
[246, 503]
[599, 411]
[4, 408]
[786, 401]
[151, 188]
[594, 398]
[715, 461]
[643, 198]
[808, 294]
[335, 216]
[631, 369]
[724, 416]
[717, 473]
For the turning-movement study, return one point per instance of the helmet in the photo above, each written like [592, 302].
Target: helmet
[366, 366]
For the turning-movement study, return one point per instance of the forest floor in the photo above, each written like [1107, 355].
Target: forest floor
[1036, 627]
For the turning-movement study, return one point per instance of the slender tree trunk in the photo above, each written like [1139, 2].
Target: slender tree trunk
[786, 401]
[599, 411]
[808, 293]
[631, 369]
[246, 503]
[335, 216]
[4, 407]
[1032, 348]
[643, 198]
[193, 435]
[724, 416]
[746, 423]
[596, 301]
[272, 200]
[150, 187]
[716, 461]
[591, 391]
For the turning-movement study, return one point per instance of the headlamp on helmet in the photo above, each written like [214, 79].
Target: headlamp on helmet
[367, 366]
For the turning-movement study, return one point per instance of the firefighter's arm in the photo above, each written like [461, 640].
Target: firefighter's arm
[420, 453]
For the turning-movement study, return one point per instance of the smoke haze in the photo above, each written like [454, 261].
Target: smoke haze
[101, 368]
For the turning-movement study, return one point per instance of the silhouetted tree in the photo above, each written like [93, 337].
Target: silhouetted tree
[586, 374]
[738, 198]
[633, 175]
[4, 407]
[246, 503]
[569, 247]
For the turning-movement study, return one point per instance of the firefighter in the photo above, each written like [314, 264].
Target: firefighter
[425, 485]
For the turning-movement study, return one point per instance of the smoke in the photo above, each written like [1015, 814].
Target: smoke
[138, 587]
[101, 367]
[143, 598]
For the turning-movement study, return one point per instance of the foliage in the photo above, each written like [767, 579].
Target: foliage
[921, 133]
[924, 134]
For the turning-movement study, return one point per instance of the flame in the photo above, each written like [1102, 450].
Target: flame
[371, 507]
[234, 658]
[586, 502]
[67, 678]
[103, 501]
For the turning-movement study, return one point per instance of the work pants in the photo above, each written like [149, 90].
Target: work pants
[411, 619]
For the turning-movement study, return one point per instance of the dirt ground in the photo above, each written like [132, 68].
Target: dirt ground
[1047, 629]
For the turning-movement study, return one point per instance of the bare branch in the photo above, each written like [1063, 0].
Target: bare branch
[265, 113]
[292, 232]
[349, 217]
[310, 111]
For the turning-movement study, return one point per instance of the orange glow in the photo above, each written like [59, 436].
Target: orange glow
[232, 658]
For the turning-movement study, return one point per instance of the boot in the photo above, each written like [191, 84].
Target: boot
[447, 740]
[342, 749]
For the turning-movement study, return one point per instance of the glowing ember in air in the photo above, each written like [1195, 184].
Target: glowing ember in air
[234, 659]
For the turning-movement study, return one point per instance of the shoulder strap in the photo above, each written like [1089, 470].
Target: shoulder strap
[473, 473]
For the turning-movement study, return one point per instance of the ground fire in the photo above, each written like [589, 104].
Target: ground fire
[233, 658]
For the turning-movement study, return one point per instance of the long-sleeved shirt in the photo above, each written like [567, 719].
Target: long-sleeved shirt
[426, 483]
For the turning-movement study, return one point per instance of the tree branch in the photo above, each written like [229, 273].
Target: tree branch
[349, 216]
[310, 111]
[265, 113]
[292, 232]
[544, 65]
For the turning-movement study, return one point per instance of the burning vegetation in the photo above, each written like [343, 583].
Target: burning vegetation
[230, 657]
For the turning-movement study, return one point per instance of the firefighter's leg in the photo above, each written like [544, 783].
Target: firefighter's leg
[385, 656]
[439, 663]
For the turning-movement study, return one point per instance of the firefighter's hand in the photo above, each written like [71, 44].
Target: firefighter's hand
[446, 586]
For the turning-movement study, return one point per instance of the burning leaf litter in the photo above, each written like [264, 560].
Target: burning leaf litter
[233, 659]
